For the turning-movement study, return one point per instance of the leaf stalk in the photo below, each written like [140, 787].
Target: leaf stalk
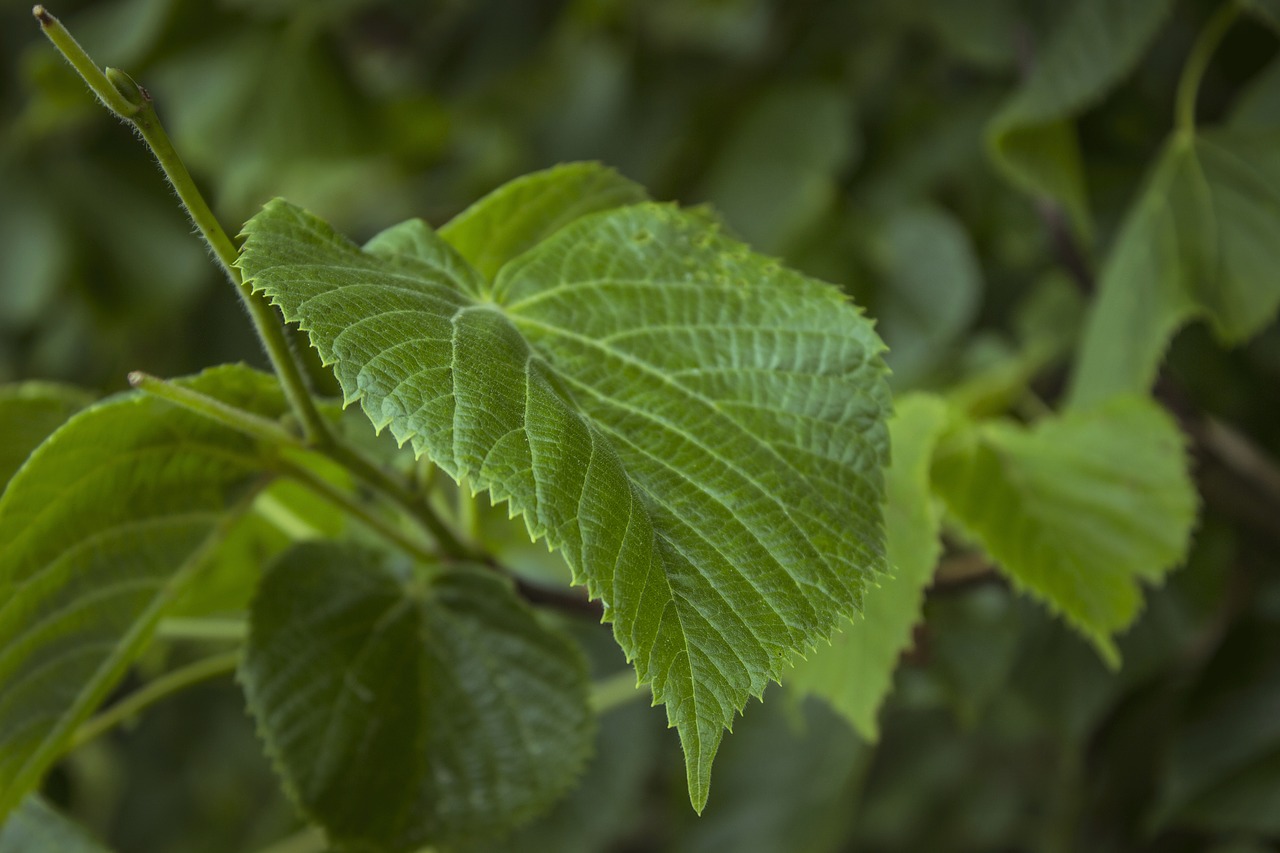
[1202, 51]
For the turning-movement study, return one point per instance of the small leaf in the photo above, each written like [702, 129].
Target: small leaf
[699, 430]
[1078, 509]
[36, 827]
[28, 414]
[856, 672]
[99, 531]
[403, 711]
[1200, 242]
[1092, 49]
[524, 212]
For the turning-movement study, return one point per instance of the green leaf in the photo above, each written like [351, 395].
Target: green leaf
[99, 531]
[1200, 242]
[856, 672]
[1090, 51]
[1267, 11]
[524, 212]
[1078, 509]
[404, 709]
[35, 827]
[28, 414]
[779, 172]
[931, 291]
[699, 430]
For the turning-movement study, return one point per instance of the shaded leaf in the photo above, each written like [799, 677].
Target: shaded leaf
[99, 531]
[1078, 509]
[407, 709]
[1089, 51]
[36, 826]
[698, 429]
[856, 672]
[1200, 242]
[28, 414]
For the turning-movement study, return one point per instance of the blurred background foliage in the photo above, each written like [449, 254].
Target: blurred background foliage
[851, 139]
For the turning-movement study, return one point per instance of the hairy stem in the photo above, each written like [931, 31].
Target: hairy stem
[213, 409]
[616, 690]
[120, 94]
[164, 686]
[1198, 61]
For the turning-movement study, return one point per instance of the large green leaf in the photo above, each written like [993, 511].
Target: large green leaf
[1090, 50]
[28, 414]
[404, 709]
[1201, 241]
[1078, 509]
[37, 827]
[99, 531]
[699, 430]
[856, 672]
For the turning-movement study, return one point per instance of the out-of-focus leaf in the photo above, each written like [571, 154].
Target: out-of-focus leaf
[405, 709]
[778, 174]
[100, 530]
[33, 258]
[855, 672]
[1199, 242]
[1267, 11]
[29, 413]
[1078, 509]
[930, 292]
[1092, 48]
[37, 827]
[785, 781]
[980, 31]
[1258, 106]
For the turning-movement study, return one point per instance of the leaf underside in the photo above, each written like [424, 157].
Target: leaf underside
[698, 430]
[403, 711]
[99, 531]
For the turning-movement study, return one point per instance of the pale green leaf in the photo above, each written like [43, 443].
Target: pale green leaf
[699, 430]
[28, 414]
[1092, 48]
[407, 709]
[37, 827]
[526, 211]
[1200, 242]
[855, 673]
[99, 531]
[1076, 510]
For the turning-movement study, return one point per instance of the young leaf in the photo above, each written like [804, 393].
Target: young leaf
[28, 414]
[404, 710]
[856, 672]
[524, 212]
[99, 531]
[1200, 241]
[1078, 509]
[698, 429]
[36, 826]
[1091, 50]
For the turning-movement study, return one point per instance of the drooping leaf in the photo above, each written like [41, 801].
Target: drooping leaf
[526, 211]
[28, 414]
[405, 709]
[699, 430]
[99, 531]
[1076, 510]
[930, 292]
[1199, 242]
[1091, 50]
[36, 826]
[856, 672]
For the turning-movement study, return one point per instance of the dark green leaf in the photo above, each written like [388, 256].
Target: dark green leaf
[698, 429]
[100, 530]
[36, 827]
[404, 709]
[28, 414]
